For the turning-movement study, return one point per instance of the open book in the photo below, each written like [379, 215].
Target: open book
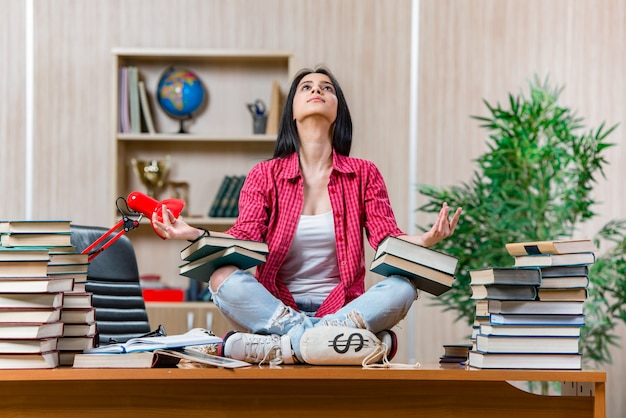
[196, 336]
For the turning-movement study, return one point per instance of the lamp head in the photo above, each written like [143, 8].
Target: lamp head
[147, 206]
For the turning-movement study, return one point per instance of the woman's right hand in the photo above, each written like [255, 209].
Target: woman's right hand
[174, 228]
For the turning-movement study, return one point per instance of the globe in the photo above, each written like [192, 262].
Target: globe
[180, 94]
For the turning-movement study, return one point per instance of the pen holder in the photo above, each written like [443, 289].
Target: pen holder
[259, 123]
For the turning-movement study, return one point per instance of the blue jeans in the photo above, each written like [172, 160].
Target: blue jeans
[243, 300]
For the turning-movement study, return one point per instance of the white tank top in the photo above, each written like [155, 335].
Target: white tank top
[310, 267]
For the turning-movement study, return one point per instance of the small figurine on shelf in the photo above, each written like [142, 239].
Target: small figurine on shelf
[259, 116]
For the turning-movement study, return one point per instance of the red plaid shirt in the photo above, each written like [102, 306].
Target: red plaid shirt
[270, 205]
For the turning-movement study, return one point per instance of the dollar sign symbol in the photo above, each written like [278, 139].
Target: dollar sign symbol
[337, 346]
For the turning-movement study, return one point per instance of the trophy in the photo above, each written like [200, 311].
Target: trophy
[152, 173]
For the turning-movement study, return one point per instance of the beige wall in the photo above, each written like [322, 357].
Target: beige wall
[475, 49]
[469, 50]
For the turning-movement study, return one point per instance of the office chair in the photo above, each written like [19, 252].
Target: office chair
[113, 278]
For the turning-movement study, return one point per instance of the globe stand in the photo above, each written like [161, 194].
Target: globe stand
[181, 129]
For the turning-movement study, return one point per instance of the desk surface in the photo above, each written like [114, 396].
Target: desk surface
[306, 391]
[425, 372]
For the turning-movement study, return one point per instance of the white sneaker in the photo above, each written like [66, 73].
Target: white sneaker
[338, 345]
[257, 348]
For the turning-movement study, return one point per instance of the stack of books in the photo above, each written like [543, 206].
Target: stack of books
[535, 308]
[226, 202]
[204, 256]
[432, 271]
[78, 313]
[50, 294]
[30, 300]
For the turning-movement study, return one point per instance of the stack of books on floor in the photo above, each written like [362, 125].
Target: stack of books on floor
[535, 308]
[432, 271]
[202, 257]
[39, 268]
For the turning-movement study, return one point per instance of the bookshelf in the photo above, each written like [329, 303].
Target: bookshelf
[219, 142]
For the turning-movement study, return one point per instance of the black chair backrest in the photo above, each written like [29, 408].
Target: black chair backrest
[113, 278]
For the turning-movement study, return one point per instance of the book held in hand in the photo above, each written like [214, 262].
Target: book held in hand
[416, 253]
[427, 279]
[202, 268]
[551, 247]
[209, 245]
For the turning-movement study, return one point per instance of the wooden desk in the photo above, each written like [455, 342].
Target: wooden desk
[301, 391]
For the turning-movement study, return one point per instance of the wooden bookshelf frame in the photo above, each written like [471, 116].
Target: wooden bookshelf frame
[305, 391]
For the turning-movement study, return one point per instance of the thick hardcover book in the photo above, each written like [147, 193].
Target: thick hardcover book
[77, 300]
[506, 276]
[42, 345]
[78, 315]
[504, 292]
[427, 279]
[35, 284]
[31, 300]
[525, 361]
[565, 282]
[36, 315]
[535, 307]
[210, 245]
[416, 253]
[59, 239]
[562, 271]
[202, 268]
[30, 330]
[549, 260]
[34, 268]
[551, 247]
[78, 330]
[75, 343]
[24, 254]
[48, 360]
[536, 319]
[531, 330]
[526, 344]
[562, 294]
[35, 226]
[196, 336]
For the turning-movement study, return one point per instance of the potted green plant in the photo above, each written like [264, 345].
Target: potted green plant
[534, 183]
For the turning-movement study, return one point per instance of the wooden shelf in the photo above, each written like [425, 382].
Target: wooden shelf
[220, 141]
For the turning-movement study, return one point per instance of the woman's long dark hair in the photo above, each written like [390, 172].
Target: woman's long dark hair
[287, 142]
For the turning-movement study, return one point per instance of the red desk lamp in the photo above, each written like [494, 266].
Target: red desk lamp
[142, 205]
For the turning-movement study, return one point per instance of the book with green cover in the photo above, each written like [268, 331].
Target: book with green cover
[212, 244]
[219, 195]
[202, 268]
